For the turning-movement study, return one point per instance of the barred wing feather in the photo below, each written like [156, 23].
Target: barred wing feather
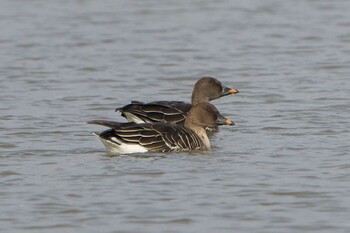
[158, 111]
[158, 137]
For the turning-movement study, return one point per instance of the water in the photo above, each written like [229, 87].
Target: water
[284, 167]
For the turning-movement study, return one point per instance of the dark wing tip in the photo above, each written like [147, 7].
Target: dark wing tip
[95, 122]
[125, 108]
[110, 124]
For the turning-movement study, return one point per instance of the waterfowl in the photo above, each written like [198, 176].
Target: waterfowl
[205, 90]
[126, 138]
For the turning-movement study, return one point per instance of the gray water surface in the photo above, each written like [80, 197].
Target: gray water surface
[284, 166]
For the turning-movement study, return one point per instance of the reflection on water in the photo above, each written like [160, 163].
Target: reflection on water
[283, 168]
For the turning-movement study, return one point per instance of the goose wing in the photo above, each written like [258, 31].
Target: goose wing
[158, 111]
[178, 138]
[133, 134]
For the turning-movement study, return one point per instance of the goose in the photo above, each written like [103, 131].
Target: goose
[205, 90]
[131, 137]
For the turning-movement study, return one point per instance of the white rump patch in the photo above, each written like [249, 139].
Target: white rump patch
[122, 148]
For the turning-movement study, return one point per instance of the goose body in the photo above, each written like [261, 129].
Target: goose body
[125, 138]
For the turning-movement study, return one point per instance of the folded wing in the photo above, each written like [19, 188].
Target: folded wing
[158, 111]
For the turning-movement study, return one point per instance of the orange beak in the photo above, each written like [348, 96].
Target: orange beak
[233, 91]
[229, 122]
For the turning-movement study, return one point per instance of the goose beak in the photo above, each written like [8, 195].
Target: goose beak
[221, 120]
[229, 122]
[229, 91]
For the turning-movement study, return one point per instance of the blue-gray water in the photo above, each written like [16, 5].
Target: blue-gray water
[284, 167]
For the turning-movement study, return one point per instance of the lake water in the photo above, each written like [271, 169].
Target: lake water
[284, 166]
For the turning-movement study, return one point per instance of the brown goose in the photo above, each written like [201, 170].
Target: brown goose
[205, 89]
[126, 138]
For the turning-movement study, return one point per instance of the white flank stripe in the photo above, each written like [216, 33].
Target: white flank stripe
[122, 148]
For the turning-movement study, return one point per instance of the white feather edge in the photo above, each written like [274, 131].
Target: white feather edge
[121, 148]
[132, 118]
